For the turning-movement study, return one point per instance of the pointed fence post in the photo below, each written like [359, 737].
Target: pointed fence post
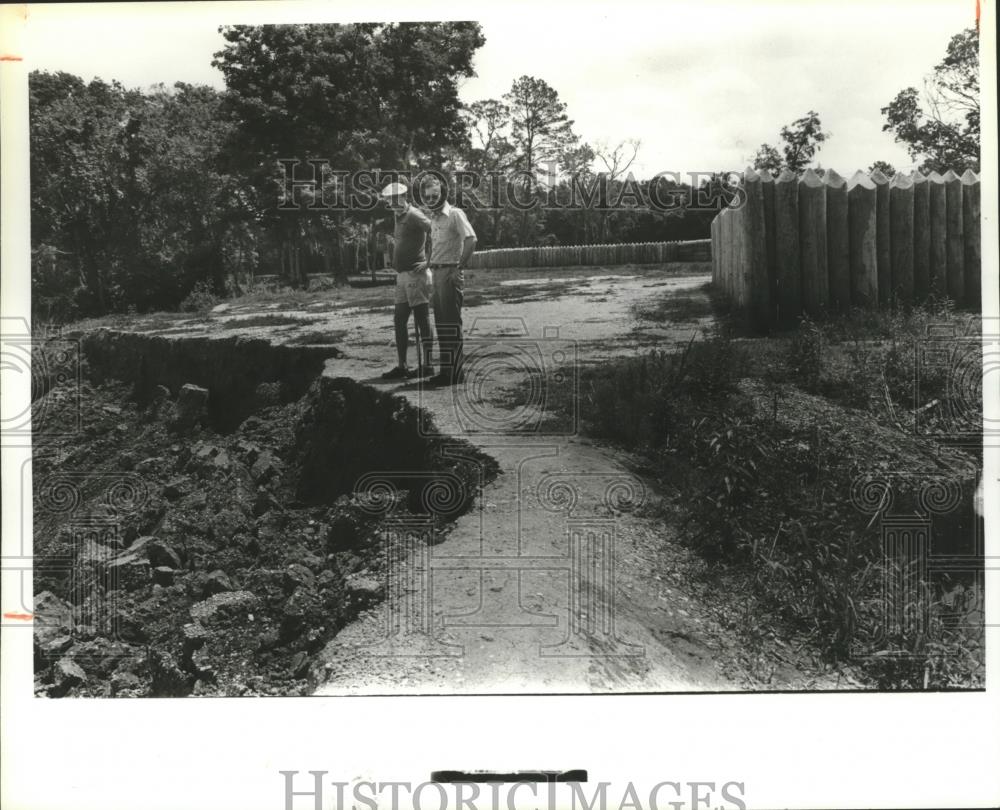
[973, 247]
[861, 205]
[767, 184]
[938, 265]
[812, 243]
[786, 254]
[714, 230]
[723, 253]
[754, 225]
[955, 239]
[921, 237]
[883, 256]
[837, 245]
[741, 259]
[901, 237]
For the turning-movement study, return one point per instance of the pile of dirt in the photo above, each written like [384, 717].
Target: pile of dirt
[171, 559]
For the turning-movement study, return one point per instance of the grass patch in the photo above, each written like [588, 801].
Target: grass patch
[766, 443]
[900, 366]
[685, 307]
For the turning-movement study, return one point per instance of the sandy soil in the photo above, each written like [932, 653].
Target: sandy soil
[565, 577]
[528, 593]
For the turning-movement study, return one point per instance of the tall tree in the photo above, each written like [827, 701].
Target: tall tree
[366, 95]
[490, 147]
[943, 131]
[616, 160]
[883, 166]
[800, 141]
[83, 150]
[540, 128]
[490, 153]
[128, 205]
[541, 131]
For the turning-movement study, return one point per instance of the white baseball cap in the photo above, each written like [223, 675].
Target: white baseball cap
[395, 190]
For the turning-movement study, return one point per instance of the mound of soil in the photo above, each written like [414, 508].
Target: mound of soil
[171, 559]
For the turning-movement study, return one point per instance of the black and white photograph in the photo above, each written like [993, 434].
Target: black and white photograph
[376, 353]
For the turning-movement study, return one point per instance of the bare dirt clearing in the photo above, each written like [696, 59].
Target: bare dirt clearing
[564, 575]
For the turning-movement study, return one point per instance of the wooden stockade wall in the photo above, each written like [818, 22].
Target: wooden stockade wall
[809, 244]
[697, 250]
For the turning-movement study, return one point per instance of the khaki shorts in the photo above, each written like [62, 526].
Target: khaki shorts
[414, 287]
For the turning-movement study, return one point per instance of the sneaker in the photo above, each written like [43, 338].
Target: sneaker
[396, 373]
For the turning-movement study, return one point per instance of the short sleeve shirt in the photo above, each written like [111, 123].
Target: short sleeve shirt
[449, 229]
[409, 236]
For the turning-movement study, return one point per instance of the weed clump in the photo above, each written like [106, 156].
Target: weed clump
[767, 444]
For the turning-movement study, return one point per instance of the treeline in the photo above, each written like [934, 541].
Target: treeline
[140, 197]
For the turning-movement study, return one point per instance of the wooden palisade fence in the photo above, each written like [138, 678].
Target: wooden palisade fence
[809, 244]
[698, 250]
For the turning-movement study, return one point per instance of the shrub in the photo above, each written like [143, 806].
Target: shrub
[200, 299]
[770, 499]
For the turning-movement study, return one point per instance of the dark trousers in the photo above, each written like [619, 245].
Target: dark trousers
[447, 300]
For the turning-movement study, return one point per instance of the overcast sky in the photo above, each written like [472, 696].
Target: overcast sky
[700, 84]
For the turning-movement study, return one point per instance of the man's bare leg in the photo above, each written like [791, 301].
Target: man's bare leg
[400, 321]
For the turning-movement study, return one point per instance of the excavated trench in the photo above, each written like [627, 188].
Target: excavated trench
[240, 373]
[218, 513]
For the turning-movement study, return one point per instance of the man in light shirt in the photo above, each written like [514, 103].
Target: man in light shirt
[452, 243]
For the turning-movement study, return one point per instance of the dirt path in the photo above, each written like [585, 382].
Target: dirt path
[565, 576]
[561, 579]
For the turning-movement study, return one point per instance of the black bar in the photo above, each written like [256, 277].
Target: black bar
[483, 777]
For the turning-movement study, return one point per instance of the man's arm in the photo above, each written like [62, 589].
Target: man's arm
[422, 219]
[425, 225]
[469, 245]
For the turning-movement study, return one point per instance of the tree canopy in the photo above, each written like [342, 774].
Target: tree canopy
[940, 126]
[800, 141]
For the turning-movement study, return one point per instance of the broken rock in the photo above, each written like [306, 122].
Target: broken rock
[176, 488]
[362, 587]
[163, 575]
[53, 617]
[232, 604]
[160, 554]
[192, 405]
[264, 503]
[297, 574]
[299, 665]
[217, 582]
[151, 465]
[66, 675]
[168, 679]
[265, 467]
[125, 682]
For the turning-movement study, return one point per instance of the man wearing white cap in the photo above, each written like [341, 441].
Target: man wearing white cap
[414, 285]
